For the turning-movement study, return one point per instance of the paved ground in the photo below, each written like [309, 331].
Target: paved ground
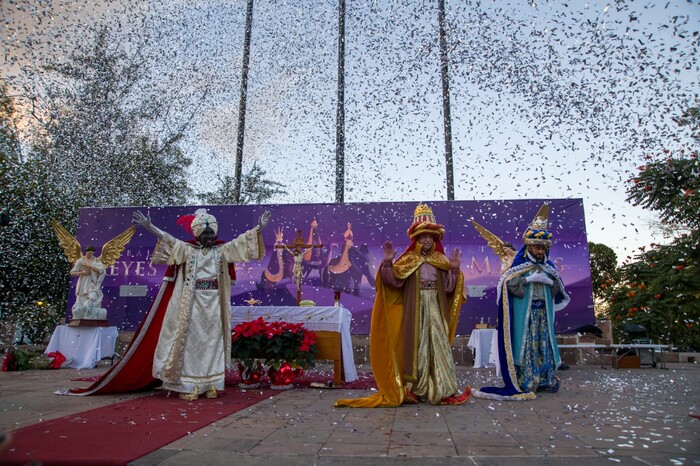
[600, 416]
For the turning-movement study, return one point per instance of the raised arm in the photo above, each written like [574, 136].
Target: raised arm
[386, 270]
[145, 222]
[264, 220]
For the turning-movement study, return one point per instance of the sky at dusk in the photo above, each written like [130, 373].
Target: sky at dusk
[549, 99]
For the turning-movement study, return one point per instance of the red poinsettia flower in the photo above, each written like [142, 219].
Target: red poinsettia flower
[294, 328]
[250, 329]
[308, 341]
[57, 360]
[275, 329]
[8, 363]
[275, 342]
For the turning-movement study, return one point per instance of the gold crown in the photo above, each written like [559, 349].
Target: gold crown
[423, 213]
[540, 220]
[537, 232]
[424, 222]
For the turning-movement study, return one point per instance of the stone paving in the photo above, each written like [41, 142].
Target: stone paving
[600, 416]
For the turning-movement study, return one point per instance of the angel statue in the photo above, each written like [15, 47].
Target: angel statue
[90, 270]
[505, 251]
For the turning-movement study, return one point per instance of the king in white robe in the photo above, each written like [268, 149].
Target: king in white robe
[194, 347]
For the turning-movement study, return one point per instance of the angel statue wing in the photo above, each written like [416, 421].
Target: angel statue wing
[492, 240]
[114, 247]
[70, 245]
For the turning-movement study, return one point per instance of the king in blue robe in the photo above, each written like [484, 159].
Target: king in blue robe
[528, 295]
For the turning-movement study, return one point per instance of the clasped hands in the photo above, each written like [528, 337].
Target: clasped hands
[539, 277]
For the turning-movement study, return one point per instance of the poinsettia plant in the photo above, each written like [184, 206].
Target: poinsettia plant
[248, 341]
[21, 360]
[292, 343]
[276, 342]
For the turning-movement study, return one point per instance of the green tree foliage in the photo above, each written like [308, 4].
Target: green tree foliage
[669, 186]
[99, 135]
[604, 273]
[690, 119]
[108, 140]
[10, 154]
[660, 290]
[660, 287]
[32, 266]
[255, 189]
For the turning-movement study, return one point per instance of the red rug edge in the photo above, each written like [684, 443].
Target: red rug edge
[48, 442]
[53, 442]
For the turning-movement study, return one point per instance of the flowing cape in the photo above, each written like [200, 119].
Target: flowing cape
[386, 339]
[134, 371]
[513, 316]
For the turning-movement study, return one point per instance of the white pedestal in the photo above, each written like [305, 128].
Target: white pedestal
[85, 345]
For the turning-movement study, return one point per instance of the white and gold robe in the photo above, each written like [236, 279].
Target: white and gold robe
[194, 346]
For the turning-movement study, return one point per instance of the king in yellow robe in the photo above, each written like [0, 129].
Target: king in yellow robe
[414, 319]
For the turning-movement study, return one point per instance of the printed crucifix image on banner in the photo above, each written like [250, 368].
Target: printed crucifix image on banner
[350, 239]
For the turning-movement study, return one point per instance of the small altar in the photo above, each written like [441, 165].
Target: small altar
[84, 345]
[330, 323]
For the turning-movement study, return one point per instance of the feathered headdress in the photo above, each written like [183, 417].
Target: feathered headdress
[197, 223]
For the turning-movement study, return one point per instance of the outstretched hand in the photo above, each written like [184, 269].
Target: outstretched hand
[264, 220]
[389, 252]
[143, 220]
[456, 258]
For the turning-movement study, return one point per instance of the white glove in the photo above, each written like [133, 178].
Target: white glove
[145, 222]
[264, 219]
[539, 278]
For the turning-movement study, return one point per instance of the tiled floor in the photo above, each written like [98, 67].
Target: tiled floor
[600, 416]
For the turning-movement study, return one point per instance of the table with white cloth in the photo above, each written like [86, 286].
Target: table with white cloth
[331, 324]
[83, 347]
[484, 344]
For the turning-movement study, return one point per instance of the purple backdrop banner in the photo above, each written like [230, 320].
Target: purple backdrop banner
[352, 236]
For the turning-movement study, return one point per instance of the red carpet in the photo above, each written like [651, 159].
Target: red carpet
[122, 432]
[365, 381]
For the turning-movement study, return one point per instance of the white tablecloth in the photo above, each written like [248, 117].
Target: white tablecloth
[484, 343]
[316, 318]
[85, 345]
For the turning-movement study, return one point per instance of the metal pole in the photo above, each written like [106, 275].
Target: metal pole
[447, 119]
[340, 114]
[242, 103]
